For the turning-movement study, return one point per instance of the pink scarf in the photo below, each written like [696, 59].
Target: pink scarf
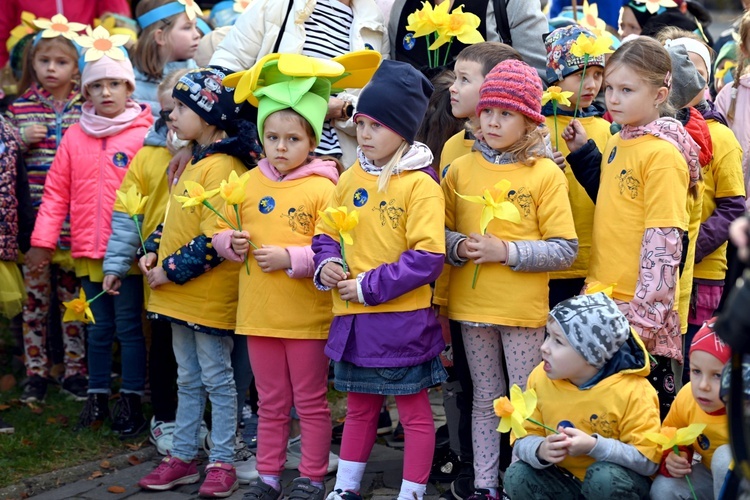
[100, 126]
[673, 132]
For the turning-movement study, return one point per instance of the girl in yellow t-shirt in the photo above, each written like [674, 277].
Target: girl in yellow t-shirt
[641, 204]
[503, 311]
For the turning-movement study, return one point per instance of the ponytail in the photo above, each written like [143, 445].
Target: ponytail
[385, 174]
[736, 85]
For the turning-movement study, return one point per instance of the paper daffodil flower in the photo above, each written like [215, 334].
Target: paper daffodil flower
[233, 189]
[341, 220]
[241, 5]
[597, 287]
[422, 21]
[191, 8]
[590, 19]
[100, 43]
[196, 195]
[557, 95]
[515, 411]
[79, 309]
[132, 201]
[460, 24]
[58, 26]
[495, 205]
[653, 6]
[721, 73]
[671, 437]
[109, 24]
[25, 28]
[591, 46]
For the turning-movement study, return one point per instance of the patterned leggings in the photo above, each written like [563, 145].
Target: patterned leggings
[35, 317]
[485, 347]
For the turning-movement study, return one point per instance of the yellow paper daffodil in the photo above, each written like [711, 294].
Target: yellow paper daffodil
[196, 195]
[233, 189]
[132, 201]
[591, 46]
[58, 26]
[191, 8]
[721, 73]
[515, 411]
[79, 309]
[109, 24]
[241, 5]
[25, 28]
[652, 6]
[597, 287]
[422, 21]
[557, 95]
[590, 19]
[100, 43]
[495, 205]
[341, 220]
[462, 25]
[671, 437]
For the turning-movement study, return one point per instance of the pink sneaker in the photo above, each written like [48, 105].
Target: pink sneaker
[171, 472]
[221, 481]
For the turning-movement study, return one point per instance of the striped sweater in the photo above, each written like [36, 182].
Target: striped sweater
[36, 105]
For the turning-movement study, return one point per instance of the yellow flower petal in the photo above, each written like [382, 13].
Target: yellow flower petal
[233, 189]
[196, 195]
[341, 221]
[191, 8]
[597, 287]
[132, 201]
[503, 407]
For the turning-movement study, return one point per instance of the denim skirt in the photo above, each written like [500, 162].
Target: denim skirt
[399, 381]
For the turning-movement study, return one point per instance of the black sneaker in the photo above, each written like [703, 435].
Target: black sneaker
[95, 412]
[127, 416]
[445, 466]
[6, 428]
[385, 425]
[303, 489]
[482, 494]
[35, 388]
[463, 486]
[398, 433]
[76, 386]
[343, 495]
[261, 491]
[337, 433]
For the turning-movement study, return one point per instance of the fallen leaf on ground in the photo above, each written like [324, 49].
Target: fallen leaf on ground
[116, 489]
[7, 382]
[95, 474]
[104, 464]
[51, 420]
[4, 407]
[133, 460]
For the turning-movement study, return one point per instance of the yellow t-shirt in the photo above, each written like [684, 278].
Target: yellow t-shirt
[503, 296]
[643, 184]
[211, 298]
[723, 179]
[685, 411]
[685, 286]
[623, 406]
[597, 129]
[408, 216]
[282, 214]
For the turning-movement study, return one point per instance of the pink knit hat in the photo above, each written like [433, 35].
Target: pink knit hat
[107, 68]
[513, 85]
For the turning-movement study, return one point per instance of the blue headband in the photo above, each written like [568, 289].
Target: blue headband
[168, 10]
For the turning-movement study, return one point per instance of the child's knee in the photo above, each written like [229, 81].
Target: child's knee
[608, 480]
[520, 480]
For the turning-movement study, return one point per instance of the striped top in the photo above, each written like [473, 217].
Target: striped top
[36, 105]
[327, 35]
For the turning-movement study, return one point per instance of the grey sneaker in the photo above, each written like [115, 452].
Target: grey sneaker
[76, 386]
[35, 388]
[303, 489]
[261, 491]
[6, 428]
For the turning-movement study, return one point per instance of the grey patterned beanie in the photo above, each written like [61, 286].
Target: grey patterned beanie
[593, 325]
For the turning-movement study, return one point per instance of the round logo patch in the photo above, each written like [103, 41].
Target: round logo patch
[409, 41]
[566, 424]
[120, 159]
[612, 155]
[360, 197]
[369, 47]
[266, 205]
[704, 442]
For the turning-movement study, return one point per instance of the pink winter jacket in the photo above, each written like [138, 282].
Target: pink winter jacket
[83, 179]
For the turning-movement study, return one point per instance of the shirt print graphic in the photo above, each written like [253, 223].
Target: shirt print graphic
[522, 199]
[389, 213]
[604, 424]
[300, 220]
[627, 182]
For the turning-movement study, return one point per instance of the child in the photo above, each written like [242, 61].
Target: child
[286, 353]
[196, 290]
[698, 402]
[147, 173]
[50, 102]
[734, 99]
[517, 257]
[385, 338]
[596, 364]
[565, 71]
[88, 168]
[168, 41]
[645, 173]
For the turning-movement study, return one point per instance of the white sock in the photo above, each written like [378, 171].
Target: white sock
[493, 492]
[349, 475]
[411, 491]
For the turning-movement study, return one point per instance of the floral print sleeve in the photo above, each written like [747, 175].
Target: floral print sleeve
[190, 261]
[152, 242]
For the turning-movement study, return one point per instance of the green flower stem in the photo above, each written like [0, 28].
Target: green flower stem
[89, 301]
[343, 256]
[140, 234]
[542, 425]
[239, 226]
[653, 359]
[554, 113]
[447, 52]
[580, 88]
[211, 207]
[429, 52]
[476, 273]
[676, 451]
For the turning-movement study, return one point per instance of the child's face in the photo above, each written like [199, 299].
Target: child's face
[465, 89]
[719, 82]
[631, 100]
[182, 40]
[561, 361]
[628, 23]
[705, 380]
[700, 66]
[167, 105]
[54, 68]
[502, 128]
[378, 142]
[592, 83]
[186, 123]
[109, 96]
[286, 143]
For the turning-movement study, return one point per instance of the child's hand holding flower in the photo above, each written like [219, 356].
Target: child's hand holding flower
[348, 290]
[554, 448]
[157, 277]
[146, 262]
[331, 274]
[272, 258]
[486, 248]
[579, 443]
[240, 243]
[574, 136]
[678, 465]
[111, 284]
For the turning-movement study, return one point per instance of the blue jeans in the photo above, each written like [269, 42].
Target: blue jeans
[204, 366]
[121, 314]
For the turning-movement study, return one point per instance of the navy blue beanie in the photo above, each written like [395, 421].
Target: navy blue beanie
[202, 91]
[397, 97]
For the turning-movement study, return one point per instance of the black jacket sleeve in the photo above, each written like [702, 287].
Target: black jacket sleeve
[586, 166]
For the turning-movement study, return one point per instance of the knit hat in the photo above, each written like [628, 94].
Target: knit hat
[202, 91]
[397, 97]
[686, 81]
[513, 85]
[707, 340]
[693, 46]
[560, 60]
[105, 67]
[593, 325]
[640, 11]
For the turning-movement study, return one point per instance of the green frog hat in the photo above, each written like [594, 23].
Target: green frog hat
[302, 83]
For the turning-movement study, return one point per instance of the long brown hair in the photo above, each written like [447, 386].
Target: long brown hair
[439, 124]
[742, 56]
[28, 76]
[147, 58]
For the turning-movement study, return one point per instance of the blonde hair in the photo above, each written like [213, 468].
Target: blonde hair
[170, 81]
[29, 76]
[147, 58]
[742, 56]
[385, 173]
